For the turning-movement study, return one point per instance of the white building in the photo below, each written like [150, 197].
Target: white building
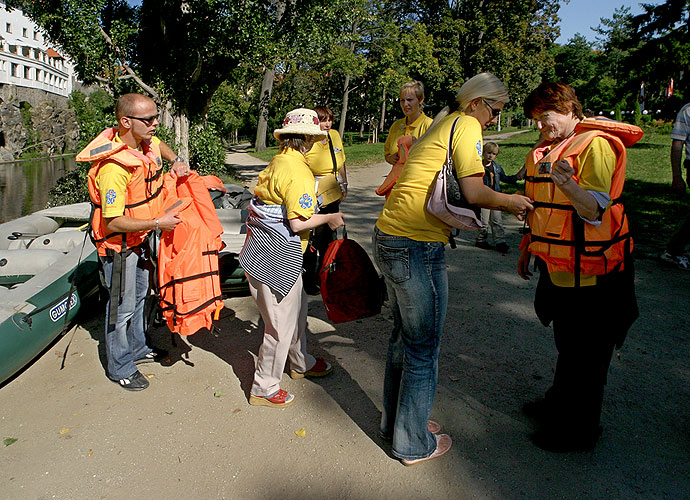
[27, 60]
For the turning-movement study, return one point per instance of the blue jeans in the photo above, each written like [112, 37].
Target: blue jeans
[125, 341]
[417, 282]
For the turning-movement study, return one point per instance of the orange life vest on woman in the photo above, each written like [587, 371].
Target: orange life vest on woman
[143, 198]
[558, 235]
[188, 274]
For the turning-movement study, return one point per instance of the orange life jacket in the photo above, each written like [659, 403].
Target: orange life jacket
[404, 145]
[188, 274]
[558, 235]
[143, 198]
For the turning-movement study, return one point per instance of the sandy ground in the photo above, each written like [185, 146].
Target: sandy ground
[192, 434]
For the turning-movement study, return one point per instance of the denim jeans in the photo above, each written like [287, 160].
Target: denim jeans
[126, 341]
[417, 282]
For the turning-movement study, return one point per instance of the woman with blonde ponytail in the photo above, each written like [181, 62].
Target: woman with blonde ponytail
[409, 250]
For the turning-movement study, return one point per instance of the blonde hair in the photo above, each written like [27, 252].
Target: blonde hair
[415, 86]
[491, 147]
[484, 85]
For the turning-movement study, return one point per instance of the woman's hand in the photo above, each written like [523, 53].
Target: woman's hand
[523, 264]
[335, 220]
[561, 172]
[518, 205]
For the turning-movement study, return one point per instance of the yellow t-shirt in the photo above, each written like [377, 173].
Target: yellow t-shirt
[416, 129]
[596, 165]
[321, 164]
[288, 181]
[404, 213]
[111, 182]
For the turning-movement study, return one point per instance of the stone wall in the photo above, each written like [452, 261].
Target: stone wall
[53, 125]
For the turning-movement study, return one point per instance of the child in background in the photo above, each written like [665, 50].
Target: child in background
[493, 176]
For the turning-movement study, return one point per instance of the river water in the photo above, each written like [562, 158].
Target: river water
[24, 186]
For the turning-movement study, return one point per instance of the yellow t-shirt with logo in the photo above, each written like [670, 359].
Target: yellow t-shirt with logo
[321, 164]
[111, 182]
[399, 128]
[596, 166]
[288, 181]
[404, 213]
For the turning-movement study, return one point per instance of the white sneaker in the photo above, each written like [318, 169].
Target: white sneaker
[680, 261]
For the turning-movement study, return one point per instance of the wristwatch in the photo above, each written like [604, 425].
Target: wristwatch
[179, 158]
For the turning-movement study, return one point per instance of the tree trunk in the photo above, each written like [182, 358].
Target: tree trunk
[181, 126]
[383, 110]
[264, 101]
[343, 111]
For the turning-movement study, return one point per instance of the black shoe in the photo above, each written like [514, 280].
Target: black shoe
[540, 410]
[312, 289]
[155, 356]
[503, 248]
[135, 382]
[483, 244]
[564, 441]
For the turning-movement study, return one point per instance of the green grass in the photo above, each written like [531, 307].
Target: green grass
[652, 208]
[356, 154]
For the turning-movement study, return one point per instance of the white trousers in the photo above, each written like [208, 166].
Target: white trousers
[494, 220]
[285, 335]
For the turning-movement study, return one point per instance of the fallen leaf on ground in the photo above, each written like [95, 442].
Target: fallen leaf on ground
[90, 453]
[9, 441]
[217, 394]
[302, 432]
[168, 413]
[64, 430]
[236, 410]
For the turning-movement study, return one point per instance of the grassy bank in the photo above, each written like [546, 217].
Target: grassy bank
[651, 206]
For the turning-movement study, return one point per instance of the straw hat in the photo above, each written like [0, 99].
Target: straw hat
[300, 121]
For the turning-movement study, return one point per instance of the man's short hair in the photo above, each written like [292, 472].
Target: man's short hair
[127, 103]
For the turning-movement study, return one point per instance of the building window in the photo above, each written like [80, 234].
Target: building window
[27, 73]
[35, 35]
[25, 33]
[8, 27]
[15, 69]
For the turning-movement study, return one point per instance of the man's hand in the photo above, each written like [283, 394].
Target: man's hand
[169, 221]
[180, 168]
[336, 220]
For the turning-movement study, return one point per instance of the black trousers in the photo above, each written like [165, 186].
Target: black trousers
[588, 322]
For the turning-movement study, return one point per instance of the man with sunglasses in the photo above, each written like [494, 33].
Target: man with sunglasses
[125, 185]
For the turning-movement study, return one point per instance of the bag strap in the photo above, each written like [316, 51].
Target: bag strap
[449, 153]
[335, 163]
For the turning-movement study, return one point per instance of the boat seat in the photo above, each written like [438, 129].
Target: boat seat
[17, 266]
[29, 227]
[64, 241]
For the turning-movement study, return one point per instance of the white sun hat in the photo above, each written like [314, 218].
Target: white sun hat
[300, 121]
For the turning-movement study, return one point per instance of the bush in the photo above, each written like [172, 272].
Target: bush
[94, 113]
[70, 188]
[206, 150]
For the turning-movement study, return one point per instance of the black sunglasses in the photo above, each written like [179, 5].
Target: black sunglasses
[494, 112]
[147, 121]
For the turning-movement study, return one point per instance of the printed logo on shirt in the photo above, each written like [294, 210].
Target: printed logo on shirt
[110, 197]
[306, 201]
[336, 150]
[479, 148]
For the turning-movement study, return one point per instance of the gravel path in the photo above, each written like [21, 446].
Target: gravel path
[191, 434]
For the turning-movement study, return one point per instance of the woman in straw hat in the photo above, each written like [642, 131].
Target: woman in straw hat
[409, 249]
[281, 215]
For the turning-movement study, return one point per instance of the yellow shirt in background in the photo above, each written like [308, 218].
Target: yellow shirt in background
[404, 213]
[288, 181]
[416, 129]
[321, 164]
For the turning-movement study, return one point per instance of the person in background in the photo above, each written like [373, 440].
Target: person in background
[409, 251]
[675, 249]
[125, 187]
[326, 159]
[579, 236]
[493, 176]
[415, 122]
[281, 214]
